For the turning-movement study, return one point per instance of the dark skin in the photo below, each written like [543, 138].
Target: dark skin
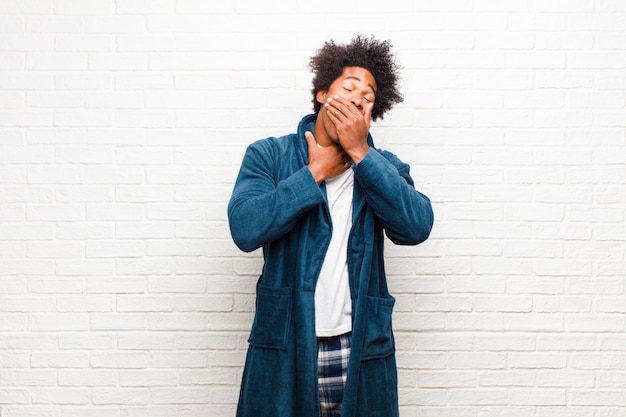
[342, 124]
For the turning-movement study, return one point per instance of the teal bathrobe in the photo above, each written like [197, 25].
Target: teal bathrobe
[276, 204]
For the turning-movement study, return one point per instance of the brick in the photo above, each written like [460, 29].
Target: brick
[84, 155]
[115, 175]
[77, 341]
[563, 41]
[445, 303]
[180, 395]
[144, 303]
[446, 379]
[561, 304]
[58, 61]
[179, 359]
[12, 250]
[597, 397]
[471, 322]
[148, 411]
[12, 24]
[536, 361]
[87, 378]
[15, 396]
[126, 396]
[122, 285]
[115, 249]
[114, 24]
[566, 342]
[54, 213]
[503, 304]
[148, 378]
[116, 100]
[81, 231]
[114, 136]
[445, 342]
[85, 304]
[54, 24]
[84, 43]
[506, 378]
[82, 118]
[553, 6]
[27, 6]
[56, 286]
[58, 322]
[476, 397]
[12, 322]
[132, 81]
[26, 80]
[144, 267]
[543, 397]
[28, 267]
[84, 267]
[611, 380]
[559, 379]
[121, 360]
[84, 81]
[204, 303]
[9, 214]
[214, 376]
[143, 118]
[59, 360]
[179, 247]
[536, 322]
[28, 343]
[187, 212]
[143, 194]
[13, 175]
[600, 323]
[216, 340]
[190, 322]
[504, 6]
[189, 284]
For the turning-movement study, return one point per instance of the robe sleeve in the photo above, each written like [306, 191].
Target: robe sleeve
[262, 208]
[405, 213]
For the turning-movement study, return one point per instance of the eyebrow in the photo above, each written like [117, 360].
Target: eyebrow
[352, 77]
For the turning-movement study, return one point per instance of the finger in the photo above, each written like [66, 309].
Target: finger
[352, 110]
[342, 105]
[310, 140]
[333, 108]
[368, 113]
[347, 107]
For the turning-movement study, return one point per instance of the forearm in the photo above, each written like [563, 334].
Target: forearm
[405, 213]
[259, 213]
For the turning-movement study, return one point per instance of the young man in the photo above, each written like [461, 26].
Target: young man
[319, 202]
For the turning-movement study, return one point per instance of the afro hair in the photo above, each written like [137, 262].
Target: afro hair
[373, 55]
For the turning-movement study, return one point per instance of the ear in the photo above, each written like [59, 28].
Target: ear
[321, 96]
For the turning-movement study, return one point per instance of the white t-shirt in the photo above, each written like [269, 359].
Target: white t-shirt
[333, 305]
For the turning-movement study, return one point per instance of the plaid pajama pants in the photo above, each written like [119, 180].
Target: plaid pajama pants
[332, 363]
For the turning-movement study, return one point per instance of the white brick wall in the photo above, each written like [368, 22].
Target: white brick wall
[122, 125]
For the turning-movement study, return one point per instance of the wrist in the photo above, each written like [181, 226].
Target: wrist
[317, 174]
[357, 155]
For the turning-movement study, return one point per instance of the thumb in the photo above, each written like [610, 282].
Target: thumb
[310, 139]
[368, 113]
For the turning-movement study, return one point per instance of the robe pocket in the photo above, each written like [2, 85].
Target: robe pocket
[379, 340]
[271, 319]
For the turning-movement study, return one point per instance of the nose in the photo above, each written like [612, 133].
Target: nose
[357, 100]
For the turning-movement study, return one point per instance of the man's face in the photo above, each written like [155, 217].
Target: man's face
[356, 85]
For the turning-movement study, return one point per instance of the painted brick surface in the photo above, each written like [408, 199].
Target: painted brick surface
[122, 126]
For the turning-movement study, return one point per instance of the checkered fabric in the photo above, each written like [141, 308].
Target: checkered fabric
[332, 362]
